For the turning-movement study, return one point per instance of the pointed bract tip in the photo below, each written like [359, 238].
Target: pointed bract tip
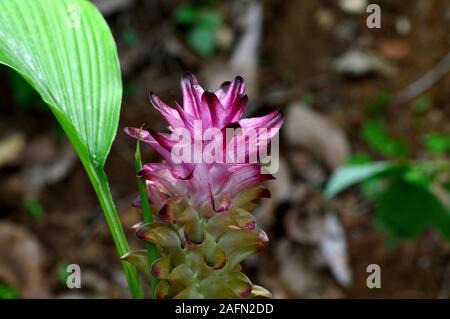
[244, 98]
[152, 97]
[280, 114]
[263, 236]
[239, 79]
[130, 131]
[188, 76]
[225, 85]
[136, 226]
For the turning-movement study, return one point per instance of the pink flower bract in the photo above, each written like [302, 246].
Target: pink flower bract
[208, 187]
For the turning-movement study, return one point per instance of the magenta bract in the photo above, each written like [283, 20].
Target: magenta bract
[204, 228]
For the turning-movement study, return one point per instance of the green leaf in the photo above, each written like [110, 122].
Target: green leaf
[406, 208]
[437, 143]
[358, 158]
[442, 222]
[372, 187]
[129, 36]
[210, 19]
[378, 104]
[33, 207]
[352, 174]
[417, 177]
[185, 14]
[62, 272]
[7, 292]
[376, 136]
[65, 49]
[202, 40]
[422, 104]
[308, 98]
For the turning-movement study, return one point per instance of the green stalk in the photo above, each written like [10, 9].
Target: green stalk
[147, 215]
[100, 182]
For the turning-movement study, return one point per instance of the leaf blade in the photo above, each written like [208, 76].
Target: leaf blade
[349, 175]
[406, 208]
[75, 70]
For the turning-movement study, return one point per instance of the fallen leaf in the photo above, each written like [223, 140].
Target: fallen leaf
[10, 148]
[333, 246]
[311, 130]
[22, 261]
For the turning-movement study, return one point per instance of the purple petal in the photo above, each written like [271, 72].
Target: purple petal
[235, 89]
[237, 108]
[145, 137]
[213, 110]
[171, 115]
[192, 93]
[186, 118]
[222, 90]
[244, 176]
[271, 120]
[165, 140]
[164, 181]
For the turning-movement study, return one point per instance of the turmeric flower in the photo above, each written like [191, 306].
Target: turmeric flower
[204, 189]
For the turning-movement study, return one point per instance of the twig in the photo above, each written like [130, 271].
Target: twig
[424, 83]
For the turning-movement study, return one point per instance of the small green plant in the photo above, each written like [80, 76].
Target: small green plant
[7, 292]
[376, 105]
[200, 22]
[358, 158]
[405, 190]
[407, 203]
[62, 273]
[308, 98]
[422, 104]
[437, 143]
[374, 131]
[375, 134]
[33, 207]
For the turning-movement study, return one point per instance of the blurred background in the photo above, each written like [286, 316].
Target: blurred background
[350, 94]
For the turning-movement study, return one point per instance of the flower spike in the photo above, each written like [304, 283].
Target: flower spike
[203, 227]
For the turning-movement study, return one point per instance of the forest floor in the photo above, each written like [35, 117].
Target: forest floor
[309, 55]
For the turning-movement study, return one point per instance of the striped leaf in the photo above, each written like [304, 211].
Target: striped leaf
[65, 49]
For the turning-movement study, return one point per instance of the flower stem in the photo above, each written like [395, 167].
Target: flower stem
[100, 182]
[147, 215]
[151, 249]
